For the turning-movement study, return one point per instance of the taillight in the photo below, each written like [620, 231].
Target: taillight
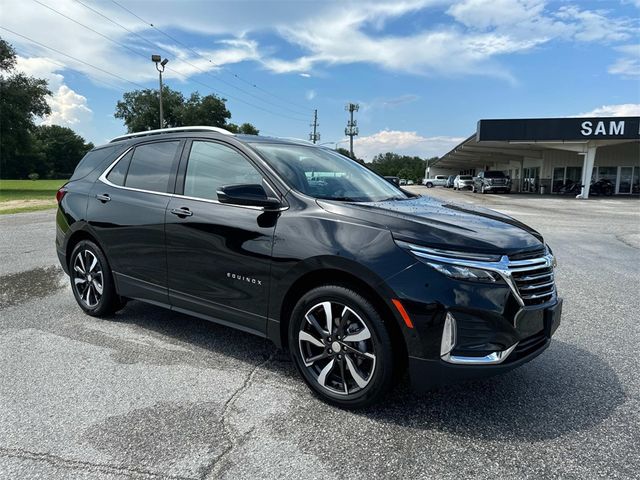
[60, 194]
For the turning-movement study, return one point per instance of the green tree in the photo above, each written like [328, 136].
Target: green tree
[59, 150]
[140, 109]
[245, 128]
[22, 99]
[209, 110]
[403, 166]
[343, 151]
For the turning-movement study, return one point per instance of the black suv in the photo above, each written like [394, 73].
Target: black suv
[492, 181]
[298, 244]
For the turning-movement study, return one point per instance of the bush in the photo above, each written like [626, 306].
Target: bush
[33, 176]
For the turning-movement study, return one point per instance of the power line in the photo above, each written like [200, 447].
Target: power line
[72, 57]
[195, 52]
[170, 69]
[25, 52]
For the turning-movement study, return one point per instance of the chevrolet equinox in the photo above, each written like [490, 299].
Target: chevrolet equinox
[357, 278]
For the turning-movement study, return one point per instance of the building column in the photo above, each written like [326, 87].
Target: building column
[587, 170]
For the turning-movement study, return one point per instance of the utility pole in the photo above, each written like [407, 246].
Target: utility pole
[315, 136]
[352, 125]
[160, 67]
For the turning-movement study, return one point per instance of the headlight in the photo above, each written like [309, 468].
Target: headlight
[465, 273]
[554, 262]
[478, 267]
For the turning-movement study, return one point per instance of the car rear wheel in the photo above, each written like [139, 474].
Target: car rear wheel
[92, 281]
[429, 184]
[341, 346]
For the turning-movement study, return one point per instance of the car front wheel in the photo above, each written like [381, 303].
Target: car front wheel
[341, 346]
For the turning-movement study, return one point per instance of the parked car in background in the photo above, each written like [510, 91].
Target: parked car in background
[437, 181]
[462, 182]
[359, 280]
[403, 181]
[492, 181]
[394, 180]
[409, 182]
[449, 183]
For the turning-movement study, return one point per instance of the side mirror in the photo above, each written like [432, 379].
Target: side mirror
[247, 194]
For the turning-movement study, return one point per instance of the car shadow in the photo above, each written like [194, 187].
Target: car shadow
[566, 389]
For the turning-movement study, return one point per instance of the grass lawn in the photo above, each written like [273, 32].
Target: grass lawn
[28, 195]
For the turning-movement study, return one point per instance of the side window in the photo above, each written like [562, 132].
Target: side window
[118, 173]
[212, 166]
[91, 161]
[151, 166]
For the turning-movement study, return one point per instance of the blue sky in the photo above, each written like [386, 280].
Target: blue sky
[423, 71]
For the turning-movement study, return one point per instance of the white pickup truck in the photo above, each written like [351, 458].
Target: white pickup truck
[437, 181]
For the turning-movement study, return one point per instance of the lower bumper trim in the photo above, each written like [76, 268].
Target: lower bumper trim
[493, 358]
[429, 374]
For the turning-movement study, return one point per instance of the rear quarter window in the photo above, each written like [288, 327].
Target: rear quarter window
[92, 160]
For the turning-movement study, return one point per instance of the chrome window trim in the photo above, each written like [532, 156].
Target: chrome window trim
[103, 178]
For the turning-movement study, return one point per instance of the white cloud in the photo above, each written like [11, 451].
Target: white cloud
[403, 142]
[68, 108]
[627, 65]
[621, 110]
[310, 95]
[330, 33]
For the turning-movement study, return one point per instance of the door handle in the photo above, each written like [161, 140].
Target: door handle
[182, 212]
[103, 197]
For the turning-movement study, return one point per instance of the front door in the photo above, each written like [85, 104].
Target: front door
[218, 255]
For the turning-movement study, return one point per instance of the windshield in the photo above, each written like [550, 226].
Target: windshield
[323, 173]
[493, 174]
[466, 177]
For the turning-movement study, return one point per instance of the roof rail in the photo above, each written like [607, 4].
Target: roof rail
[171, 130]
[301, 140]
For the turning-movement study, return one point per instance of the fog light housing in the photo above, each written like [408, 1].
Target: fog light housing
[448, 335]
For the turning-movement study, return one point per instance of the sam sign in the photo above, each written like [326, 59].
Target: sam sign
[559, 129]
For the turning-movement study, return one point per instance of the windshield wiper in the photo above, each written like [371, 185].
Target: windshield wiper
[341, 199]
[392, 198]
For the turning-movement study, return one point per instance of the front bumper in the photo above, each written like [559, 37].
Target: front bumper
[504, 188]
[427, 374]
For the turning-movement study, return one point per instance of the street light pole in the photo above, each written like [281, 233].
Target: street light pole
[160, 67]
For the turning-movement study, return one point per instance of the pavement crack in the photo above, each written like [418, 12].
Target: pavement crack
[214, 468]
[71, 464]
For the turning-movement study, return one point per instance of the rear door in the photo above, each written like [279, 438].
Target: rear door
[126, 213]
[218, 255]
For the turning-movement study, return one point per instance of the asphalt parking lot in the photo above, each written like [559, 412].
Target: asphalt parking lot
[155, 394]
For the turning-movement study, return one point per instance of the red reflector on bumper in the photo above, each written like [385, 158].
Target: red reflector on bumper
[403, 313]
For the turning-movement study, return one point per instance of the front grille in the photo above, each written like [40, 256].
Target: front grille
[527, 255]
[534, 279]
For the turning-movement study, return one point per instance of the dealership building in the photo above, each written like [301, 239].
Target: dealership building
[542, 155]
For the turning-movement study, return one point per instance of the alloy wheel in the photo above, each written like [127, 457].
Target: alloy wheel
[88, 279]
[337, 348]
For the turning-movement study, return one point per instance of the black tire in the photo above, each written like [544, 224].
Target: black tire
[89, 298]
[429, 185]
[341, 385]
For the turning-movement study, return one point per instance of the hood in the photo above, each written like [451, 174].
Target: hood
[434, 223]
